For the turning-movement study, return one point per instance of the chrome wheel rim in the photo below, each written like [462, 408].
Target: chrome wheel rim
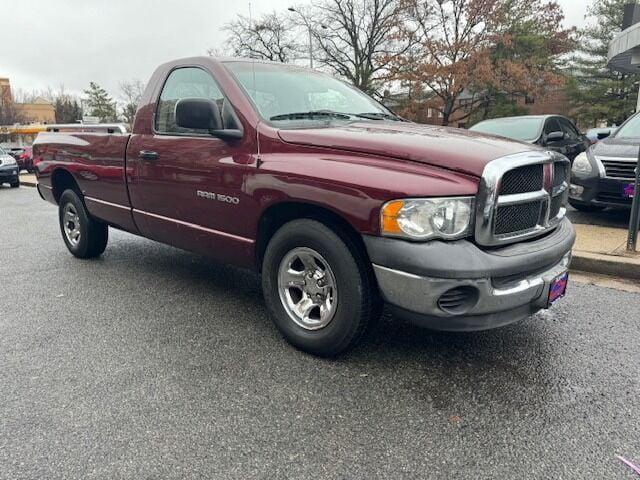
[71, 224]
[308, 289]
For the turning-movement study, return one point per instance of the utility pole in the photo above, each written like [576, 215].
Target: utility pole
[306, 22]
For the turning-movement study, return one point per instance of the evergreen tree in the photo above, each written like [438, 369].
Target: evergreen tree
[68, 109]
[600, 94]
[100, 104]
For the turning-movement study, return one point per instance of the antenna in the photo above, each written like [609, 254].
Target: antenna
[253, 73]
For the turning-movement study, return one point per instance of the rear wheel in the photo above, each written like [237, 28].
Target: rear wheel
[84, 236]
[319, 287]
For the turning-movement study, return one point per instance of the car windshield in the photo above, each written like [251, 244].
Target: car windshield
[631, 129]
[287, 93]
[2, 151]
[523, 129]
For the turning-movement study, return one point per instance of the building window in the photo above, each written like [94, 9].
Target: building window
[429, 112]
[440, 115]
[465, 103]
[529, 100]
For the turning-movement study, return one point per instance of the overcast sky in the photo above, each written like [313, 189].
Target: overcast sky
[71, 42]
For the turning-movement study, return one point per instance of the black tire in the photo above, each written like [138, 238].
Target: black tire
[358, 303]
[93, 234]
[15, 184]
[585, 207]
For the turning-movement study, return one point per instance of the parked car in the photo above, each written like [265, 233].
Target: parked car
[24, 157]
[596, 134]
[554, 132]
[604, 175]
[8, 169]
[335, 200]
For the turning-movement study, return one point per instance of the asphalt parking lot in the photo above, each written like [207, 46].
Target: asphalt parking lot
[151, 362]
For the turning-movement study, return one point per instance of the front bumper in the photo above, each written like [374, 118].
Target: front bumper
[600, 192]
[491, 288]
[9, 174]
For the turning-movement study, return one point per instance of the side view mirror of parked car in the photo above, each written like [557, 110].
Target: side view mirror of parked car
[555, 137]
[203, 114]
[603, 135]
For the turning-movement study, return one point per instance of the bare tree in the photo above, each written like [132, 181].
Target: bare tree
[8, 113]
[359, 39]
[271, 37]
[130, 93]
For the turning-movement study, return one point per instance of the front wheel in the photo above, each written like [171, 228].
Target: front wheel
[319, 287]
[15, 184]
[84, 236]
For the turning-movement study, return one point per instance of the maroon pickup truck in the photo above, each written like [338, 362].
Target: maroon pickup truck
[337, 202]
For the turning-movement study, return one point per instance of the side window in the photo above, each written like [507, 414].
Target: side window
[188, 82]
[569, 129]
[552, 125]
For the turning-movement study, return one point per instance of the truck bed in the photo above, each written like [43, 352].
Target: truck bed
[98, 163]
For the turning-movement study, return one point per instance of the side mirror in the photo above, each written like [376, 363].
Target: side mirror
[198, 114]
[203, 114]
[555, 136]
[603, 135]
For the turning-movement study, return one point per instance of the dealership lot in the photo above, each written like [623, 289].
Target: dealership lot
[153, 362]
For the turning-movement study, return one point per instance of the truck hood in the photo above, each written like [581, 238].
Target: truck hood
[450, 148]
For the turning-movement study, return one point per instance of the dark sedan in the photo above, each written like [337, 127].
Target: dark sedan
[554, 132]
[604, 175]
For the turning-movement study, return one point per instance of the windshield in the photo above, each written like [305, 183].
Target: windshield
[2, 152]
[523, 129]
[281, 91]
[631, 129]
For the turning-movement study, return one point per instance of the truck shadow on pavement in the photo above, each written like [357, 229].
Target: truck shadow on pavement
[497, 365]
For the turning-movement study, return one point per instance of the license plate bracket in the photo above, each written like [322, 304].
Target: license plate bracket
[558, 288]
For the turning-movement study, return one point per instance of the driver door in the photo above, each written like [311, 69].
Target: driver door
[180, 173]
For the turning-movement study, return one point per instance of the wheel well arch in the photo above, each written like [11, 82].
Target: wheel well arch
[277, 215]
[61, 180]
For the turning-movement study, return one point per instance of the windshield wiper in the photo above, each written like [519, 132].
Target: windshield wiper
[311, 114]
[378, 116]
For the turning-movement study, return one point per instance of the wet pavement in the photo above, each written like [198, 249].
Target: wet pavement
[151, 362]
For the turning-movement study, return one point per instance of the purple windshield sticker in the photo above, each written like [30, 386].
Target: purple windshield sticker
[628, 463]
[629, 189]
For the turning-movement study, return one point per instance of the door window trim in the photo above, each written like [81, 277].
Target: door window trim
[193, 134]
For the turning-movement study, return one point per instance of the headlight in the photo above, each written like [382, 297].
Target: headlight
[9, 161]
[427, 218]
[581, 165]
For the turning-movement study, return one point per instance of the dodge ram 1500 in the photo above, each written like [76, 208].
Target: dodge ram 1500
[340, 204]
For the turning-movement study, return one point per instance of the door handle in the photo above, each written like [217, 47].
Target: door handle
[148, 155]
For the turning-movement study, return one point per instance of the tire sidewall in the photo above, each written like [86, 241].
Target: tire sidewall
[82, 248]
[345, 325]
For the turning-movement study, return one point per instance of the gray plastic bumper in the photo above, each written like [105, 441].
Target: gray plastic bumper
[502, 285]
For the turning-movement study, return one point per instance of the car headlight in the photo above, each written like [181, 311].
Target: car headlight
[427, 218]
[581, 165]
[9, 161]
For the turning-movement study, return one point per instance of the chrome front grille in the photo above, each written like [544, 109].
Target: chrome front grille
[521, 196]
[619, 168]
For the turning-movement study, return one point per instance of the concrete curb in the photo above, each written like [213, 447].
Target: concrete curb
[612, 265]
[28, 183]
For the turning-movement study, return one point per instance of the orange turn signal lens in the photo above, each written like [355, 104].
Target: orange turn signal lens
[389, 216]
